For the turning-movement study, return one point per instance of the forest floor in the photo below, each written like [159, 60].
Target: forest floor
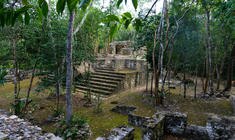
[101, 123]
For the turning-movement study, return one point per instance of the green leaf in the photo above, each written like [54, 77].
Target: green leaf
[137, 24]
[113, 30]
[119, 3]
[127, 15]
[44, 6]
[60, 5]
[25, 2]
[112, 17]
[84, 4]
[26, 18]
[72, 4]
[127, 23]
[135, 3]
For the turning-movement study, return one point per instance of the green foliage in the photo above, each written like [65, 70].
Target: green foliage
[71, 131]
[72, 4]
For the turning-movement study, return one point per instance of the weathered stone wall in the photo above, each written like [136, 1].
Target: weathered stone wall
[14, 128]
[134, 79]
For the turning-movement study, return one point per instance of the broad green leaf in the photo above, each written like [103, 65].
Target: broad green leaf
[113, 30]
[112, 18]
[118, 3]
[135, 3]
[60, 5]
[137, 24]
[127, 15]
[84, 4]
[127, 23]
[44, 6]
[72, 4]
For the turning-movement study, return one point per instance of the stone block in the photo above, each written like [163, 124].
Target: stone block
[221, 128]
[153, 128]
[125, 110]
[136, 120]
[175, 122]
[120, 133]
[193, 132]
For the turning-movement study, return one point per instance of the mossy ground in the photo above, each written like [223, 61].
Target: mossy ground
[103, 122]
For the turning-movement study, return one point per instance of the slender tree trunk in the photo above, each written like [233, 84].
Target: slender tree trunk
[184, 79]
[69, 70]
[217, 77]
[57, 94]
[152, 76]
[30, 85]
[147, 78]
[195, 86]
[210, 69]
[230, 70]
[15, 73]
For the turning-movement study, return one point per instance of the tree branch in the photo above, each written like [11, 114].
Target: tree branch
[150, 9]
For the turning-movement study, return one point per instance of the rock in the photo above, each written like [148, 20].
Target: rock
[3, 136]
[13, 117]
[136, 120]
[14, 128]
[232, 100]
[153, 128]
[120, 133]
[221, 127]
[175, 122]
[194, 132]
[125, 110]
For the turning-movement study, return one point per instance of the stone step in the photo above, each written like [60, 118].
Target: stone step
[102, 83]
[107, 77]
[109, 71]
[96, 86]
[109, 74]
[105, 81]
[93, 94]
[104, 92]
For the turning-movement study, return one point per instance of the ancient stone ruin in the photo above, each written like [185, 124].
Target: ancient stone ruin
[176, 124]
[14, 128]
[122, 68]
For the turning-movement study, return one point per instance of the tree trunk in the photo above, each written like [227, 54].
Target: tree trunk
[195, 86]
[147, 78]
[15, 73]
[184, 79]
[217, 77]
[152, 76]
[30, 85]
[230, 71]
[69, 70]
[210, 69]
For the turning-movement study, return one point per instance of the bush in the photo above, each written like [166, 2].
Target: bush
[73, 130]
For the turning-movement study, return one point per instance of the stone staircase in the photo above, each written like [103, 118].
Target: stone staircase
[103, 81]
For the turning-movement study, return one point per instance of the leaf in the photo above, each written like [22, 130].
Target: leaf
[60, 5]
[135, 3]
[137, 24]
[112, 17]
[25, 2]
[127, 23]
[118, 3]
[72, 4]
[26, 18]
[127, 15]
[84, 4]
[113, 30]
[44, 6]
